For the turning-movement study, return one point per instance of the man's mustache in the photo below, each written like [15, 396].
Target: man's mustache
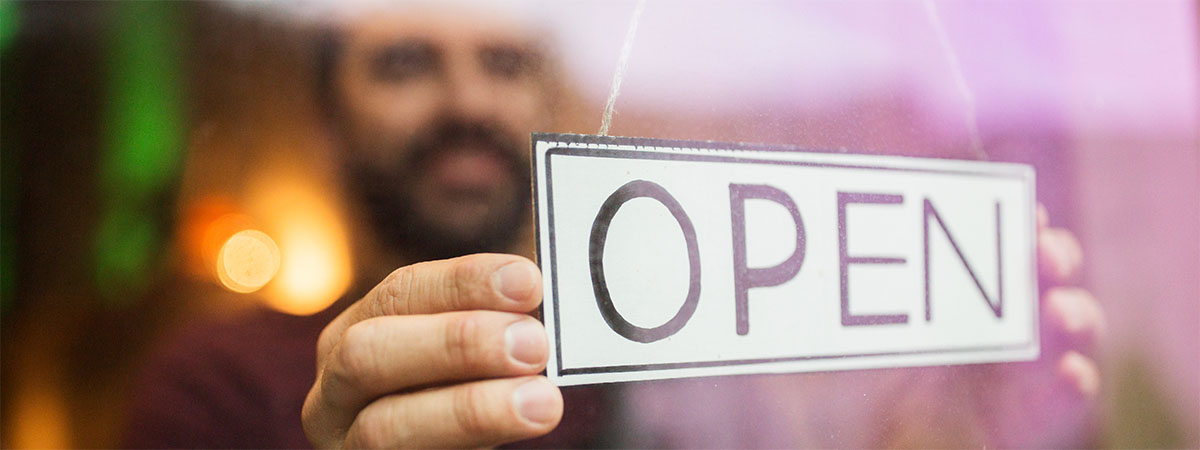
[449, 134]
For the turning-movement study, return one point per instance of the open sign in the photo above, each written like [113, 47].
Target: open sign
[665, 259]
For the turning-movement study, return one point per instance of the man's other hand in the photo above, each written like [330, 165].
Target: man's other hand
[439, 354]
[1049, 402]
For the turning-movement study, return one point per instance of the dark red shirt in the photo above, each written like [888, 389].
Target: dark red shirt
[242, 383]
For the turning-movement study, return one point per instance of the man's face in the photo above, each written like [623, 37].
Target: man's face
[435, 108]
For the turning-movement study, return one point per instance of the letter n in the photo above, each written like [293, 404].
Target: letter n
[996, 305]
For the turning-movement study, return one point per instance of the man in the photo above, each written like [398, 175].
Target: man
[433, 108]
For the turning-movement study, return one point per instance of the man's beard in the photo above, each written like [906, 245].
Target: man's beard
[390, 195]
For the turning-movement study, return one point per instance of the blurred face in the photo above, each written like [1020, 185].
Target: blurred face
[436, 108]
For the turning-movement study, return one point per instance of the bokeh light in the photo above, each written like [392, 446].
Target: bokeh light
[42, 413]
[315, 264]
[247, 261]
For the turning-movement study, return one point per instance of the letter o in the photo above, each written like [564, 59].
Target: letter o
[630, 191]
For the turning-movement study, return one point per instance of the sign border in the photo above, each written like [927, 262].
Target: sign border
[596, 152]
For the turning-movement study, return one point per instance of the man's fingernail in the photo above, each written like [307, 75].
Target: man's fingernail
[537, 401]
[515, 280]
[526, 342]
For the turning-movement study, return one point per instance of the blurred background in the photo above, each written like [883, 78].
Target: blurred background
[144, 142]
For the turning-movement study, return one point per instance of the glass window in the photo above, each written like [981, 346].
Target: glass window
[192, 192]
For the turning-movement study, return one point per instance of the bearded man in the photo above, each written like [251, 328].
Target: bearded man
[433, 107]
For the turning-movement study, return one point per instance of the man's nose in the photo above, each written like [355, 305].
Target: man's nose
[470, 93]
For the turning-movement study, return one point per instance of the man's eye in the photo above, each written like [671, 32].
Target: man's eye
[509, 63]
[403, 62]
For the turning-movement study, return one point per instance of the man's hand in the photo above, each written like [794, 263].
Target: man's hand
[1047, 403]
[436, 355]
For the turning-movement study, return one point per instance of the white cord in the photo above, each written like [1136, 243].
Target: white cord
[622, 61]
[960, 82]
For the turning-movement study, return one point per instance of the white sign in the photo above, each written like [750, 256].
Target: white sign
[667, 259]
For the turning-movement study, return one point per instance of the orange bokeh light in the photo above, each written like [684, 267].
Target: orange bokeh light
[42, 416]
[247, 261]
[297, 260]
[315, 265]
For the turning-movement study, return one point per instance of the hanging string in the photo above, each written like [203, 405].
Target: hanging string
[931, 13]
[622, 62]
[960, 82]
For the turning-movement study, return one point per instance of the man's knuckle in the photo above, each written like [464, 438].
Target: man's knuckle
[371, 429]
[460, 283]
[355, 359]
[462, 337]
[469, 410]
[309, 416]
[1068, 295]
[398, 288]
[1071, 241]
[313, 421]
[1089, 299]
[1079, 297]
[325, 343]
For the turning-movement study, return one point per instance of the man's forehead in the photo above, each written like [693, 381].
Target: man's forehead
[452, 24]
